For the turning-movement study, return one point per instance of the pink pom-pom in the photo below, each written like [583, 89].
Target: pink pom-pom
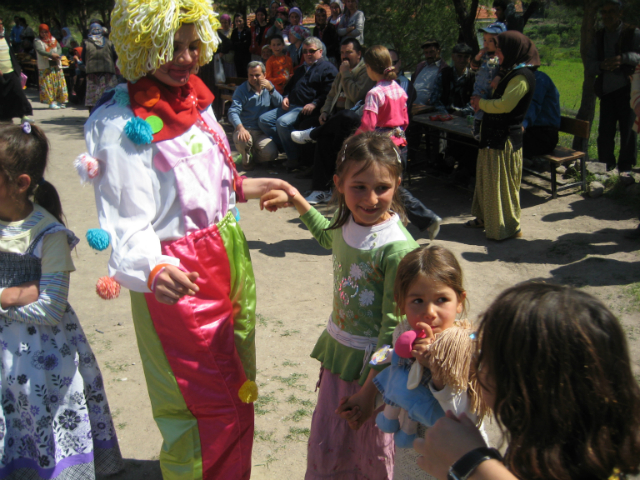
[87, 167]
[404, 344]
[107, 288]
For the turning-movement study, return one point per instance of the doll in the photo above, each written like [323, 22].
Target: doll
[407, 387]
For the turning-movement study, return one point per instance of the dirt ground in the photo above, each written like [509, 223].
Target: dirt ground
[570, 240]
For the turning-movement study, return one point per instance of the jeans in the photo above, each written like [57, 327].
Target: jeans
[614, 110]
[278, 124]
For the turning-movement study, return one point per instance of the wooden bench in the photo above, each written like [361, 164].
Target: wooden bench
[564, 155]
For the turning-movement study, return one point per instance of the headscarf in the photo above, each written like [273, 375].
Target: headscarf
[67, 36]
[263, 10]
[283, 9]
[48, 40]
[225, 16]
[517, 49]
[298, 11]
[300, 32]
[339, 3]
[96, 34]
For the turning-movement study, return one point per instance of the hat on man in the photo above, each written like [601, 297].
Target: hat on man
[463, 49]
[431, 43]
[494, 29]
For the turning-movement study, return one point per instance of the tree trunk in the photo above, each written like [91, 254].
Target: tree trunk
[466, 22]
[588, 102]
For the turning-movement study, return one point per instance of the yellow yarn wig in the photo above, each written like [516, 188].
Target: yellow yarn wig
[142, 32]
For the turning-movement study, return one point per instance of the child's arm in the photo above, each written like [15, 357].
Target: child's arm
[50, 305]
[258, 187]
[495, 82]
[20, 295]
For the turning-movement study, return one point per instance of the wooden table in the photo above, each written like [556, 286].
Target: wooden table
[457, 126]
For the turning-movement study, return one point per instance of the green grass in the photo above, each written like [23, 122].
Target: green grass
[292, 380]
[264, 404]
[264, 436]
[633, 290]
[298, 434]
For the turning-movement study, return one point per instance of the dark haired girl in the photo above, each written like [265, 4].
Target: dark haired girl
[54, 419]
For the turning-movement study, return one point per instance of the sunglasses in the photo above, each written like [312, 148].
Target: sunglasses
[310, 52]
[394, 63]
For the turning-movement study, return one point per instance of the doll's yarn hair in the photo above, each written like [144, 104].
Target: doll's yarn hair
[453, 352]
[143, 31]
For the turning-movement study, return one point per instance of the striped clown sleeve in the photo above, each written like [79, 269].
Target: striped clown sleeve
[50, 306]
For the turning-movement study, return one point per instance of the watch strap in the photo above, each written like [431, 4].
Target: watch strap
[465, 466]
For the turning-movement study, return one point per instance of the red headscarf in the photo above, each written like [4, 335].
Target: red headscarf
[45, 35]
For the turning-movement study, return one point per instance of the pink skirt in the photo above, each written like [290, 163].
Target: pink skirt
[337, 452]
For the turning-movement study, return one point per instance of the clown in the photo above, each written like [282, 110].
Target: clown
[166, 191]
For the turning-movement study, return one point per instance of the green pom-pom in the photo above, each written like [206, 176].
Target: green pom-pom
[97, 239]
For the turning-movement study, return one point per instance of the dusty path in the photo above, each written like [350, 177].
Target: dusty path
[570, 240]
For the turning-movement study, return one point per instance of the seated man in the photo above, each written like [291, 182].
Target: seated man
[305, 94]
[424, 81]
[454, 85]
[250, 100]
[543, 118]
[337, 120]
[424, 78]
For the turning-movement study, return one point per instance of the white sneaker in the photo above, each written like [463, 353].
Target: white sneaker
[318, 196]
[434, 228]
[302, 136]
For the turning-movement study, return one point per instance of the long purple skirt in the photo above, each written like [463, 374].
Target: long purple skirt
[337, 452]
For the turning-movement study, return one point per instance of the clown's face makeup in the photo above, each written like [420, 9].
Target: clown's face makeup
[186, 50]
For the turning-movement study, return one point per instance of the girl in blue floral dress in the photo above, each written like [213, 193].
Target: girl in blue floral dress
[54, 421]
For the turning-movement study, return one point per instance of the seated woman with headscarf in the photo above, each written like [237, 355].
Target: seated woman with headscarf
[496, 200]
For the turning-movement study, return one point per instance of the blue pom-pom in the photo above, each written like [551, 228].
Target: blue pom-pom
[139, 131]
[97, 239]
[121, 97]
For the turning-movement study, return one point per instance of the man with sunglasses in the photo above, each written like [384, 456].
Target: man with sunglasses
[305, 94]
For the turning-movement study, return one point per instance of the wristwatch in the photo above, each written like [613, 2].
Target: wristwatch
[465, 466]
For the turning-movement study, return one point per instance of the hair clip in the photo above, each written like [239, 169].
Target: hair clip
[398, 156]
[344, 152]
[26, 127]
[389, 69]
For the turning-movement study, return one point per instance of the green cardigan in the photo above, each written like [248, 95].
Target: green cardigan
[363, 280]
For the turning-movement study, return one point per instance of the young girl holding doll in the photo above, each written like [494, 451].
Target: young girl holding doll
[429, 290]
[554, 367]
[385, 110]
[368, 241]
[54, 419]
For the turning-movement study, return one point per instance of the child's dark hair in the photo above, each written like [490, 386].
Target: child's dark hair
[276, 37]
[435, 263]
[559, 369]
[26, 153]
[378, 59]
[361, 152]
